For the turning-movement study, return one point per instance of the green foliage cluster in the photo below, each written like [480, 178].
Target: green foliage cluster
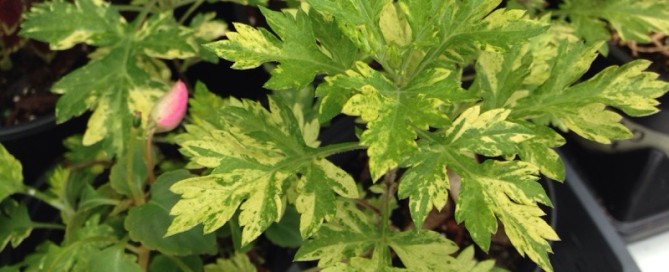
[398, 67]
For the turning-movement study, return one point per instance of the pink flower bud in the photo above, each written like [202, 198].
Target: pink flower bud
[171, 108]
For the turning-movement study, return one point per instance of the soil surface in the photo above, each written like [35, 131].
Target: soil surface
[25, 88]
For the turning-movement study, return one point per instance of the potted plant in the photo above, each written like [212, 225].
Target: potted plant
[255, 172]
[627, 173]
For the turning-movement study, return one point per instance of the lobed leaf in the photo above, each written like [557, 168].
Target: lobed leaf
[304, 48]
[63, 24]
[148, 222]
[256, 154]
[15, 223]
[632, 20]
[11, 175]
[507, 191]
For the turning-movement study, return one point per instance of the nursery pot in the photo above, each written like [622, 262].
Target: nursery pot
[589, 240]
[631, 177]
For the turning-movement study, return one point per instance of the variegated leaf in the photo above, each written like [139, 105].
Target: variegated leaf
[11, 175]
[256, 154]
[509, 192]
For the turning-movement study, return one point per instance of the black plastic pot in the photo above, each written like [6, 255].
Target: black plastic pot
[631, 178]
[589, 240]
[38, 144]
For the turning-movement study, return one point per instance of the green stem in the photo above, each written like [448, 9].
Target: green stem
[33, 192]
[42, 225]
[143, 257]
[183, 266]
[128, 8]
[149, 156]
[145, 12]
[190, 11]
[329, 150]
[386, 210]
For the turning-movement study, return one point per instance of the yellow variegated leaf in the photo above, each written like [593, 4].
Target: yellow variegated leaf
[595, 123]
[97, 124]
[256, 154]
[11, 177]
[487, 133]
[507, 191]
[316, 200]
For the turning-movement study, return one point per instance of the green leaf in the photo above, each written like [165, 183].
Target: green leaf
[424, 250]
[255, 154]
[628, 88]
[349, 234]
[487, 133]
[162, 263]
[207, 29]
[507, 191]
[63, 24]
[15, 223]
[162, 37]
[116, 88]
[358, 19]
[581, 107]
[467, 262]
[238, 262]
[147, 223]
[11, 175]
[77, 251]
[632, 20]
[393, 115]
[286, 233]
[128, 175]
[426, 184]
[296, 48]
[316, 200]
[113, 259]
[352, 233]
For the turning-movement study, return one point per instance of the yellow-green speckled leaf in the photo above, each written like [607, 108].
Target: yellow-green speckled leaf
[300, 57]
[508, 192]
[107, 85]
[487, 133]
[595, 123]
[394, 114]
[207, 200]
[255, 153]
[316, 200]
[582, 107]
[633, 20]
[239, 262]
[426, 183]
[344, 242]
[63, 24]
[162, 37]
[424, 250]
[349, 234]
[11, 175]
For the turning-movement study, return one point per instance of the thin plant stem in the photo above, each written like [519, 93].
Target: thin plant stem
[128, 8]
[386, 209]
[43, 225]
[190, 11]
[149, 155]
[143, 257]
[145, 12]
[37, 194]
[183, 266]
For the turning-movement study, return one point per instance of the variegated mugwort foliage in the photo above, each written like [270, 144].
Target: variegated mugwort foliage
[397, 65]
[262, 160]
[125, 75]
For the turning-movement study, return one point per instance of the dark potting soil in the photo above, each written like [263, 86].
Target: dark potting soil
[25, 89]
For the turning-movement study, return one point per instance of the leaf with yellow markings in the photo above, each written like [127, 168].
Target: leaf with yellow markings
[256, 154]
